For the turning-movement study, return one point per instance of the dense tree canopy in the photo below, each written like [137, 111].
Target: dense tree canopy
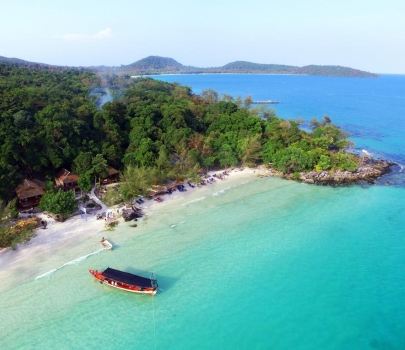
[51, 120]
[59, 202]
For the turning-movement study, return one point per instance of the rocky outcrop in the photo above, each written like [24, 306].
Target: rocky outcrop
[132, 214]
[369, 172]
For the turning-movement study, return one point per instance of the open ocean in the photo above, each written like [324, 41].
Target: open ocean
[264, 264]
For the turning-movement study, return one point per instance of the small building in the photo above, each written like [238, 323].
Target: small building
[67, 180]
[29, 193]
[113, 176]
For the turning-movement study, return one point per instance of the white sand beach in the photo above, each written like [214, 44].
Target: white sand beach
[79, 236]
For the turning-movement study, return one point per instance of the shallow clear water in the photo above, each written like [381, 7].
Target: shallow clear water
[264, 263]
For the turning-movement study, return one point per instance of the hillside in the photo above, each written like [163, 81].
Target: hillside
[22, 63]
[250, 67]
[152, 65]
[14, 61]
[163, 65]
[336, 71]
[156, 63]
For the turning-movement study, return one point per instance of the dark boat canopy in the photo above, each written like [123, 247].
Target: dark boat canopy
[128, 278]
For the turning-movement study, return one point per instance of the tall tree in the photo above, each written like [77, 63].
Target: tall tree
[100, 168]
[135, 182]
[251, 148]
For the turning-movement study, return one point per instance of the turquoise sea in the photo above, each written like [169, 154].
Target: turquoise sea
[262, 263]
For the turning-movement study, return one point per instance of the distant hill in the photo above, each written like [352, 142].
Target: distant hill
[156, 63]
[19, 62]
[165, 65]
[244, 67]
[14, 61]
[337, 71]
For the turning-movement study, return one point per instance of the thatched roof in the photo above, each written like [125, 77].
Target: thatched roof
[112, 171]
[30, 188]
[65, 177]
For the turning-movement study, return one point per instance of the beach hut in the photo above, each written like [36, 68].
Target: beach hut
[113, 175]
[29, 193]
[67, 180]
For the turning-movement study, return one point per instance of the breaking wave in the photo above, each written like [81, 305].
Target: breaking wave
[72, 262]
[195, 200]
[216, 194]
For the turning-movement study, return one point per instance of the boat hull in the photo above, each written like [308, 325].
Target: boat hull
[121, 285]
[106, 244]
[153, 292]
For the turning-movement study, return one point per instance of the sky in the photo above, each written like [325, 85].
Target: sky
[362, 34]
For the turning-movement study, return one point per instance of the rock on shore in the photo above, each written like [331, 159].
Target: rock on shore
[369, 172]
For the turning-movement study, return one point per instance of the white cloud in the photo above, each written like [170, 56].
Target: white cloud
[102, 34]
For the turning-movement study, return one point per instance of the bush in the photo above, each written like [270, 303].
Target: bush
[20, 232]
[112, 197]
[59, 202]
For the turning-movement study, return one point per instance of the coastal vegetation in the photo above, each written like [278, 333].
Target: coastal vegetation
[59, 202]
[13, 231]
[154, 133]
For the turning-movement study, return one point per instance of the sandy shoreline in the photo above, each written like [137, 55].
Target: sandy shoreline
[29, 260]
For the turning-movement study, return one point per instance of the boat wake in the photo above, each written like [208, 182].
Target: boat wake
[174, 225]
[72, 262]
[219, 193]
[194, 200]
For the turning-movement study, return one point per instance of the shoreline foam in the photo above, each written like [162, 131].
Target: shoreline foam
[62, 243]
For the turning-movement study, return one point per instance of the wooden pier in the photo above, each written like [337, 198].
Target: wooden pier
[266, 102]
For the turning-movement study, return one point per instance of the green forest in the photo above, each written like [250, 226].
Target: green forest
[161, 65]
[152, 131]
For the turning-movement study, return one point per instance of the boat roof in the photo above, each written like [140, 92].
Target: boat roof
[128, 278]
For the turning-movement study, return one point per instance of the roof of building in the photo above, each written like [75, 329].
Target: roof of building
[65, 177]
[30, 188]
[112, 171]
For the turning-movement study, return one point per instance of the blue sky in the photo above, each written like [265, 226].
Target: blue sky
[367, 35]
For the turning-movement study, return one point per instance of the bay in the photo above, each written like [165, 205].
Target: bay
[264, 263]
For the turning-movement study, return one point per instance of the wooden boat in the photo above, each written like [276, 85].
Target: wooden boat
[127, 281]
[106, 244]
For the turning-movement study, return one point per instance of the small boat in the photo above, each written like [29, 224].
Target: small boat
[127, 281]
[106, 244]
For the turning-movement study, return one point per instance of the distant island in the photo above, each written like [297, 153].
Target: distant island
[164, 65]
[155, 65]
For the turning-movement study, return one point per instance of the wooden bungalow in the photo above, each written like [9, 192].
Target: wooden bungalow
[113, 176]
[66, 180]
[29, 193]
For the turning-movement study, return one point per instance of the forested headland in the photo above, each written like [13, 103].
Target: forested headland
[153, 65]
[165, 65]
[152, 130]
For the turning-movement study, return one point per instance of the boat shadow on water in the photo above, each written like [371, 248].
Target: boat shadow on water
[165, 283]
